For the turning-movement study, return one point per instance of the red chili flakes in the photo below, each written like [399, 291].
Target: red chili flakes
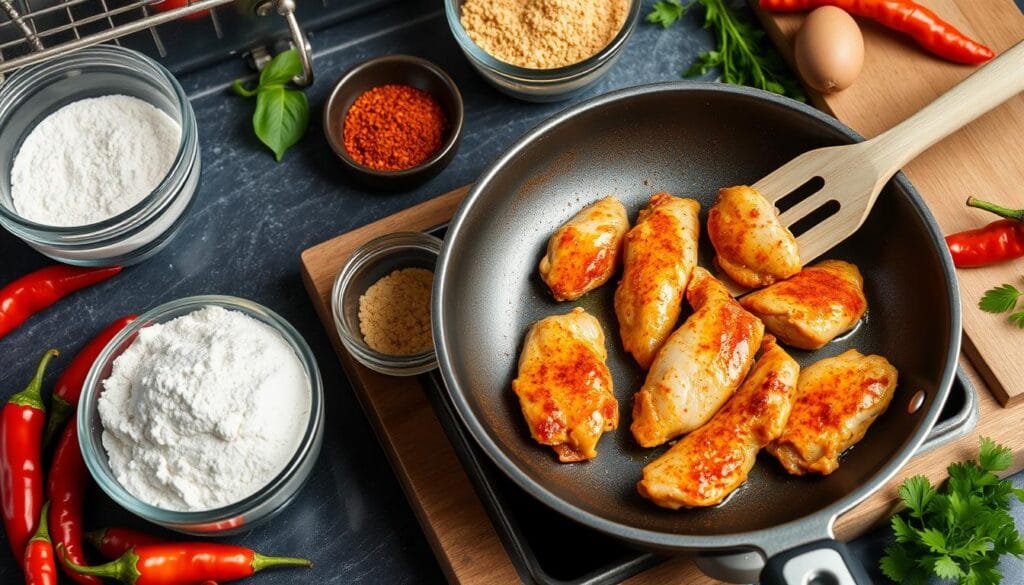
[394, 127]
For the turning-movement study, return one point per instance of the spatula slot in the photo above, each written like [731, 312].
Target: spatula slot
[810, 187]
[823, 212]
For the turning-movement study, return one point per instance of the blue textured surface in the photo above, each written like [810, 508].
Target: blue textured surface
[251, 220]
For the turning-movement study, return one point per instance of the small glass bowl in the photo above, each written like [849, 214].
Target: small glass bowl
[233, 518]
[368, 264]
[541, 85]
[134, 235]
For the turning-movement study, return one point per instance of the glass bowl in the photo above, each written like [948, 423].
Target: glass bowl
[233, 518]
[541, 85]
[34, 93]
[368, 264]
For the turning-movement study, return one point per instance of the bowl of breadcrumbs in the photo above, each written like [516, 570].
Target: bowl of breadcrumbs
[381, 303]
[542, 50]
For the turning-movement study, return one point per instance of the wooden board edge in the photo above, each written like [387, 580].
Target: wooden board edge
[323, 310]
[489, 544]
[991, 380]
[398, 220]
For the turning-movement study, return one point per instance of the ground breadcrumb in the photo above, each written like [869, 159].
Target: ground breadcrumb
[543, 34]
[394, 313]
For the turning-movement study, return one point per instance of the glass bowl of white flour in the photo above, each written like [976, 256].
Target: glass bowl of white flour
[99, 156]
[204, 415]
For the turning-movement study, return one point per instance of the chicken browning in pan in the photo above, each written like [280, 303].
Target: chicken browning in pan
[564, 386]
[659, 254]
[751, 244]
[711, 462]
[699, 367]
[837, 400]
[584, 253]
[814, 307]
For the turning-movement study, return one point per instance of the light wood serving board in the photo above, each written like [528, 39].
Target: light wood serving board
[985, 159]
[448, 509]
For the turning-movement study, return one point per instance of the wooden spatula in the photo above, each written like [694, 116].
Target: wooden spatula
[854, 174]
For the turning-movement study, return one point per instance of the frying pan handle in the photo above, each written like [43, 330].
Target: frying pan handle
[825, 561]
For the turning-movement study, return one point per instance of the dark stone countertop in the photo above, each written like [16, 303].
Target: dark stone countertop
[250, 221]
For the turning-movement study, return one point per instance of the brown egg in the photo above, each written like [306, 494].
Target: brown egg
[829, 49]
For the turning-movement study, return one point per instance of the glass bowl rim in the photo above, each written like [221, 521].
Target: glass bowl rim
[187, 145]
[409, 364]
[527, 74]
[179, 307]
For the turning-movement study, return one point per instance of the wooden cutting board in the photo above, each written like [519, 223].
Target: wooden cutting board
[445, 503]
[985, 159]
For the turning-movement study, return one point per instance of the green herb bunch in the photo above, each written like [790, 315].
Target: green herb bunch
[282, 112]
[957, 532]
[1003, 299]
[742, 53]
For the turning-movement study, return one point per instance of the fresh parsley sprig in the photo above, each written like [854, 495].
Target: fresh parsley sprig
[959, 531]
[282, 112]
[742, 53]
[667, 12]
[1003, 299]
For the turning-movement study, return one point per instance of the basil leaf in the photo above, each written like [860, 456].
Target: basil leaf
[281, 118]
[238, 87]
[281, 69]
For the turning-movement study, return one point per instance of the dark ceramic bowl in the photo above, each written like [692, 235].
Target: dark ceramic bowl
[397, 69]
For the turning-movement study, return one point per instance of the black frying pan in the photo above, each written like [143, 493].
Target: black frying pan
[689, 139]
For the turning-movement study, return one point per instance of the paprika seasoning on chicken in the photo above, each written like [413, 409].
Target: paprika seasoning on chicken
[394, 127]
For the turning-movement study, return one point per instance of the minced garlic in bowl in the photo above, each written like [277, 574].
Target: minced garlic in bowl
[394, 313]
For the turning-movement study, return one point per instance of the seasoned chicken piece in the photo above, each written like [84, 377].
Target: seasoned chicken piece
[699, 367]
[564, 386]
[658, 257]
[814, 307]
[584, 253]
[837, 400]
[708, 464]
[751, 244]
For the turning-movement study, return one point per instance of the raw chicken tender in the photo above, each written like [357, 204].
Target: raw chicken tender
[564, 386]
[659, 254]
[699, 367]
[837, 400]
[814, 307]
[584, 253]
[711, 462]
[751, 244]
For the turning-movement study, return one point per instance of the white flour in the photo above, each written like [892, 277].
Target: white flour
[204, 410]
[92, 159]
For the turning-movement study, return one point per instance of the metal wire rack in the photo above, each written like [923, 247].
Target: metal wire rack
[32, 31]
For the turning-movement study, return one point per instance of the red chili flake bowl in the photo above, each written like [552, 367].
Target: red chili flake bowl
[398, 70]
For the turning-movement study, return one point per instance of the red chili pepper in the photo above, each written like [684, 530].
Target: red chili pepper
[21, 468]
[186, 564]
[114, 542]
[905, 16]
[997, 242]
[69, 385]
[66, 488]
[168, 5]
[35, 291]
[40, 568]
